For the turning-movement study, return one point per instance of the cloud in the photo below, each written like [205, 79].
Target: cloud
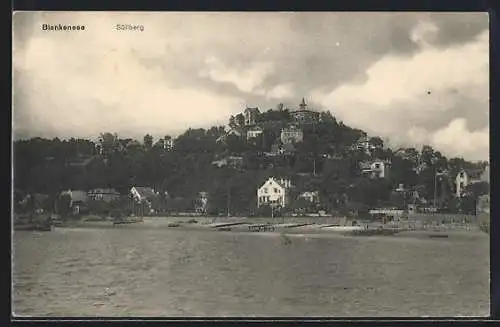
[418, 99]
[458, 139]
[373, 70]
[246, 79]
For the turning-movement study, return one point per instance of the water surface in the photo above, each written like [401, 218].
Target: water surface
[141, 271]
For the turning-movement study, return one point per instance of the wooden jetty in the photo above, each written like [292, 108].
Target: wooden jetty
[261, 228]
[129, 220]
[372, 232]
[222, 225]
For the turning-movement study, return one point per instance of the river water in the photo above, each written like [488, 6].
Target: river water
[152, 271]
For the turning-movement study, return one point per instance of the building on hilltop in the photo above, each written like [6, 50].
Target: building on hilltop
[251, 116]
[303, 115]
[231, 132]
[274, 192]
[254, 132]
[291, 134]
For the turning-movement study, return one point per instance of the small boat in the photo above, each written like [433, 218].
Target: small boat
[438, 235]
[173, 225]
[224, 229]
[126, 220]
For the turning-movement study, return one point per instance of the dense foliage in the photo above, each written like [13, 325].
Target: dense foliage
[325, 161]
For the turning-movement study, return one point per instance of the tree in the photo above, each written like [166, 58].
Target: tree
[240, 119]
[376, 142]
[148, 141]
[108, 142]
[64, 205]
[232, 122]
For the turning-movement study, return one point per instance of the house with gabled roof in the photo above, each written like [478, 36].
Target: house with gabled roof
[231, 132]
[143, 194]
[274, 192]
[466, 177]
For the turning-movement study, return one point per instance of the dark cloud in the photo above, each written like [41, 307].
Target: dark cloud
[457, 28]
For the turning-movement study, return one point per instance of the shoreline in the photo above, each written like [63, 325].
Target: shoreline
[308, 230]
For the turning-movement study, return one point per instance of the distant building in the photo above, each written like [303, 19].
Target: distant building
[81, 162]
[78, 200]
[201, 202]
[376, 168]
[303, 115]
[279, 149]
[251, 116]
[230, 132]
[144, 194]
[254, 132]
[483, 204]
[103, 194]
[312, 197]
[469, 176]
[291, 134]
[274, 192]
[230, 161]
[168, 143]
[363, 144]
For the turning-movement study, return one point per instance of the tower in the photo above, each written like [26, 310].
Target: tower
[303, 105]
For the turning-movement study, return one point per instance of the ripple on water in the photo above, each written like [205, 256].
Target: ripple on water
[159, 272]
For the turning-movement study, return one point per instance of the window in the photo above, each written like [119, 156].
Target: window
[276, 190]
[377, 166]
[462, 174]
[265, 190]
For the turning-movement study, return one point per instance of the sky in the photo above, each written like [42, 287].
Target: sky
[410, 78]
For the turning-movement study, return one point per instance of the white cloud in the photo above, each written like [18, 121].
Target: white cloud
[281, 91]
[403, 96]
[108, 89]
[457, 139]
[246, 79]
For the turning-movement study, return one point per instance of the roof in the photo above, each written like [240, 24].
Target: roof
[473, 173]
[275, 180]
[365, 165]
[145, 192]
[76, 195]
[252, 110]
[289, 147]
[104, 191]
[80, 162]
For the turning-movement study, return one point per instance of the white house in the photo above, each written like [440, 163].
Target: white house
[143, 194]
[469, 176]
[254, 132]
[376, 168]
[274, 192]
[291, 134]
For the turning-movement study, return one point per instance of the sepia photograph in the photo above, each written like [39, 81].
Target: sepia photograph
[250, 164]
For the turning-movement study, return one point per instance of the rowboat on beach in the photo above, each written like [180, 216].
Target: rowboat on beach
[127, 220]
